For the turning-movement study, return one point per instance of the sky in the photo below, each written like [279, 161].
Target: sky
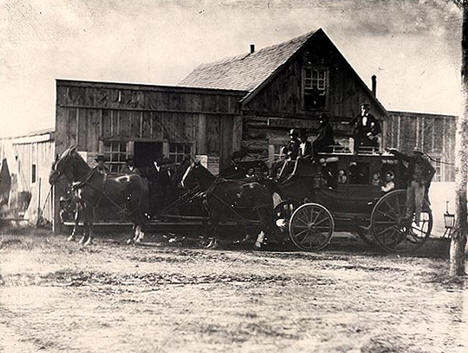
[413, 46]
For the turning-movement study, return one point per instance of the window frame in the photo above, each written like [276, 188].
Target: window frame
[308, 84]
[177, 151]
[116, 153]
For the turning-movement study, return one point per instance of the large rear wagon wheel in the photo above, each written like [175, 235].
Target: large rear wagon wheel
[390, 228]
[311, 227]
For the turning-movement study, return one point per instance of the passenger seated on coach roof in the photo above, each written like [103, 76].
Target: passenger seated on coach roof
[367, 129]
[305, 147]
[325, 137]
[291, 150]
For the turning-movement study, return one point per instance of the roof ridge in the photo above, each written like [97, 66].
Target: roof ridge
[238, 57]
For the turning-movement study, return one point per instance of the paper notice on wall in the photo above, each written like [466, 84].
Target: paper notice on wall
[88, 157]
[209, 162]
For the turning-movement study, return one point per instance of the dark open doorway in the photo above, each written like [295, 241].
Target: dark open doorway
[146, 152]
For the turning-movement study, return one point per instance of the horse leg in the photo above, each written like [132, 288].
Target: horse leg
[74, 233]
[266, 217]
[89, 241]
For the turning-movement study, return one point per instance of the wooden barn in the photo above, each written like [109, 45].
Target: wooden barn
[432, 133]
[244, 103]
[288, 86]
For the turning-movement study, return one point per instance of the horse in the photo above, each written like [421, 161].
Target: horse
[232, 199]
[93, 190]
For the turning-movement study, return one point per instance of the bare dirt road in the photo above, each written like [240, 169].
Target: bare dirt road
[57, 296]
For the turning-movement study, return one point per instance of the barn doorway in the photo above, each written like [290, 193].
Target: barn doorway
[146, 152]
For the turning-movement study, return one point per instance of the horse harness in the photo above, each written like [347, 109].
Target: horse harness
[232, 207]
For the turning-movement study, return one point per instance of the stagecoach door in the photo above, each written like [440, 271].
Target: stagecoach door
[146, 152]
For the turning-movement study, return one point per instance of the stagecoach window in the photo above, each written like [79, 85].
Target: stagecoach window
[115, 154]
[315, 82]
[178, 151]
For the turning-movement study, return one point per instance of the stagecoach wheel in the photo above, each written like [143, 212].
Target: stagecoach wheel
[390, 228]
[311, 227]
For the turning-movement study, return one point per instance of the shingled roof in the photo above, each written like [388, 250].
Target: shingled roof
[244, 72]
[252, 71]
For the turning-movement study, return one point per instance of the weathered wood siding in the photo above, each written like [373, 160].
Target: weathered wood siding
[433, 133]
[278, 105]
[90, 113]
[25, 153]
[282, 96]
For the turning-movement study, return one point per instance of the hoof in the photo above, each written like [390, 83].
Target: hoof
[89, 241]
[130, 241]
[213, 244]
[71, 238]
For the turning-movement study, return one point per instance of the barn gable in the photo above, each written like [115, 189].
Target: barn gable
[284, 63]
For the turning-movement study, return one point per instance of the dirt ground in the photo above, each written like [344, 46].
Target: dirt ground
[57, 296]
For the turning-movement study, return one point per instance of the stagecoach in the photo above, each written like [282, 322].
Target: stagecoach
[316, 204]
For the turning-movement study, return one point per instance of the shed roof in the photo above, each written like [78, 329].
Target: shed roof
[244, 72]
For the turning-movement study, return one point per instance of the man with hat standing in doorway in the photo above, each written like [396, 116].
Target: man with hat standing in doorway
[101, 167]
[419, 174]
[367, 129]
[129, 167]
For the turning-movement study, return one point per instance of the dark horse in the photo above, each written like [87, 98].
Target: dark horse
[124, 193]
[232, 200]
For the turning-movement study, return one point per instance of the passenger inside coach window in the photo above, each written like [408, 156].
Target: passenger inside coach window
[342, 177]
[376, 180]
[389, 183]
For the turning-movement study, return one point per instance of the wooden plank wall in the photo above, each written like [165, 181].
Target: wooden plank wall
[88, 113]
[283, 95]
[21, 155]
[282, 98]
[433, 133]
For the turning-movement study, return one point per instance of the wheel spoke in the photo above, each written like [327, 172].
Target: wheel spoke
[320, 222]
[386, 215]
[304, 231]
[391, 208]
[317, 216]
[302, 220]
[385, 230]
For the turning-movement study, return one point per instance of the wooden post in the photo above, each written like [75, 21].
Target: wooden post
[458, 242]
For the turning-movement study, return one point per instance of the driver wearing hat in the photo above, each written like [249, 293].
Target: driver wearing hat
[291, 150]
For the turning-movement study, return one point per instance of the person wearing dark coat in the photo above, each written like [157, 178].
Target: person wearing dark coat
[291, 150]
[305, 147]
[419, 175]
[101, 167]
[129, 167]
[366, 129]
[325, 137]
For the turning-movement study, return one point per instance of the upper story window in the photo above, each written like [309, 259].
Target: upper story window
[315, 87]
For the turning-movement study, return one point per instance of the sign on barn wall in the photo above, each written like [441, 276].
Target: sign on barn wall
[292, 123]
